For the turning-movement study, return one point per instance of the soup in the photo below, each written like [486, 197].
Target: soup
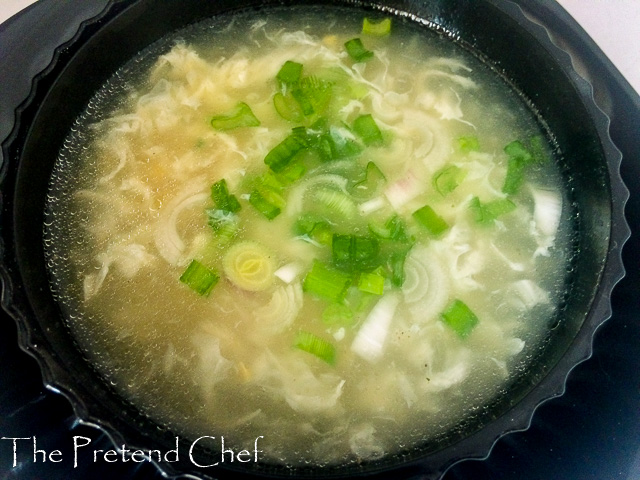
[339, 234]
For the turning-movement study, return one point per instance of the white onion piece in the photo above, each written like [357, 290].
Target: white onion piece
[426, 287]
[167, 239]
[370, 339]
[296, 197]
[281, 310]
[289, 272]
[547, 210]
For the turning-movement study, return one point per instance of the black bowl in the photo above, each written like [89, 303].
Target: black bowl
[515, 46]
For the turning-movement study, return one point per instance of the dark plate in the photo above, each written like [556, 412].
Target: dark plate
[589, 433]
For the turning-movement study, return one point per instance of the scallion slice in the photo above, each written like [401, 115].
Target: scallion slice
[317, 346]
[290, 73]
[430, 220]
[367, 129]
[222, 199]
[460, 318]
[355, 253]
[327, 283]
[267, 201]
[240, 116]
[282, 154]
[488, 212]
[199, 278]
[376, 29]
[371, 282]
[287, 107]
[468, 144]
[357, 51]
[337, 314]
[447, 179]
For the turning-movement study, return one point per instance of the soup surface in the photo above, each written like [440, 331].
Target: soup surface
[342, 235]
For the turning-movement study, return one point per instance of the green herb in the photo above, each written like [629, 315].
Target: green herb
[447, 179]
[317, 346]
[367, 129]
[240, 116]
[372, 282]
[488, 212]
[468, 144]
[354, 253]
[376, 29]
[289, 74]
[357, 51]
[222, 199]
[337, 314]
[326, 282]
[430, 220]
[460, 318]
[199, 278]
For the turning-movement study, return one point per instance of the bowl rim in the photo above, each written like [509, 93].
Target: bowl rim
[31, 340]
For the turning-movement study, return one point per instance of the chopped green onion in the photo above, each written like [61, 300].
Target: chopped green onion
[393, 229]
[354, 253]
[371, 282]
[448, 178]
[222, 199]
[488, 212]
[287, 107]
[367, 129]
[468, 144]
[317, 92]
[517, 150]
[430, 220]
[460, 318]
[282, 154]
[317, 346]
[397, 268]
[290, 73]
[515, 176]
[335, 204]
[337, 314]
[222, 221]
[199, 278]
[376, 29]
[342, 143]
[356, 50]
[314, 228]
[372, 181]
[327, 283]
[240, 116]
[267, 201]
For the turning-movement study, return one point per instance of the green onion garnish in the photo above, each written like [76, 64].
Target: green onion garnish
[379, 29]
[240, 116]
[447, 179]
[327, 283]
[222, 199]
[287, 107]
[396, 264]
[337, 314]
[488, 212]
[267, 201]
[430, 220]
[367, 129]
[372, 181]
[354, 253]
[356, 50]
[199, 278]
[460, 318]
[290, 73]
[317, 346]
[371, 282]
[283, 153]
[468, 144]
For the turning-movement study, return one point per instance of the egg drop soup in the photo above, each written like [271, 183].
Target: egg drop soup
[345, 235]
